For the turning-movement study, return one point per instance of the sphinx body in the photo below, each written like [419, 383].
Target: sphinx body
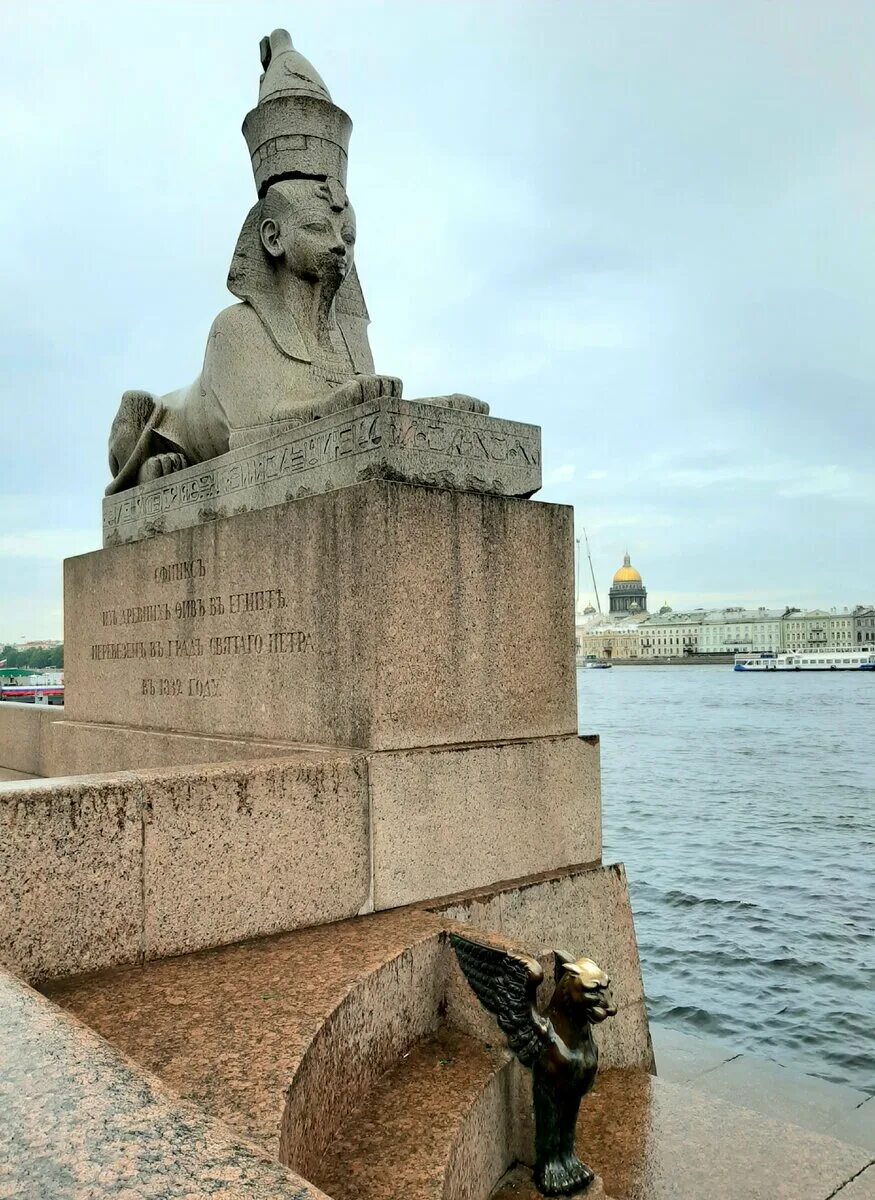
[296, 346]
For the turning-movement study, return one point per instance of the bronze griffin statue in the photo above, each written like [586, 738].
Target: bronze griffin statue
[557, 1046]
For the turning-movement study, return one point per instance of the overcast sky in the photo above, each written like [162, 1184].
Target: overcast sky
[646, 226]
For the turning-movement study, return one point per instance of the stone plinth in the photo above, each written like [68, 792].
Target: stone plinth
[99, 870]
[446, 820]
[402, 440]
[380, 616]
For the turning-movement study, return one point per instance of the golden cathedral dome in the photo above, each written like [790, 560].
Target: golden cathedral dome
[627, 573]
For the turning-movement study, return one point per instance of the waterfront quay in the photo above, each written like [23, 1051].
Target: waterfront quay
[629, 633]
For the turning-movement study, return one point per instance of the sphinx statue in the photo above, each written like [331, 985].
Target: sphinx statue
[295, 347]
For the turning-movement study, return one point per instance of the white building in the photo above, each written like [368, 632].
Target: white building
[742, 631]
[670, 634]
[607, 635]
[609, 640]
[818, 630]
[863, 629]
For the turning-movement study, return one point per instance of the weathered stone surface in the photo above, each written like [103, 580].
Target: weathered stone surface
[236, 851]
[448, 819]
[280, 1037]
[78, 1120]
[438, 1126]
[379, 616]
[653, 1140]
[402, 440]
[25, 736]
[71, 859]
[86, 748]
[96, 871]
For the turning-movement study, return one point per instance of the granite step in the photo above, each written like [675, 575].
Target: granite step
[278, 1037]
[438, 1126]
[711, 1066]
[654, 1140]
[648, 1139]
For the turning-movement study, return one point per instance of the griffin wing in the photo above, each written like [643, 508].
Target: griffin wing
[506, 984]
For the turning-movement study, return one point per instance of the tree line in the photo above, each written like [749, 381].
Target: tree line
[33, 660]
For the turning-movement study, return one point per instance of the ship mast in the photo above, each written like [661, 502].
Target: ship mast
[592, 573]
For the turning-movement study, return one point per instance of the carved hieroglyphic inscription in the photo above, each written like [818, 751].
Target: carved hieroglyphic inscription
[393, 439]
[235, 628]
[295, 457]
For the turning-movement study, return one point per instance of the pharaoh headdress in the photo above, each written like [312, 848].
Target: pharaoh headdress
[294, 132]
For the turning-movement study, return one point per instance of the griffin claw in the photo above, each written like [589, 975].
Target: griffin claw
[564, 1177]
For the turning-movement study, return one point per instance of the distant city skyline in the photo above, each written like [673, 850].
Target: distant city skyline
[656, 598]
[645, 227]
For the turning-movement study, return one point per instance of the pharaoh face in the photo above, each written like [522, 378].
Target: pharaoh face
[309, 227]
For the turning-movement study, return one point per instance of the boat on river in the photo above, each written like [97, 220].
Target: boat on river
[862, 659]
[590, 663]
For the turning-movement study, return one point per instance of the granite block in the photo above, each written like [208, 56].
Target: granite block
[682, 1057]
[278, 1035]
[78, 1120]
[244, 849]
[388, 438]
[861, 1187]
[654, 1140]
[781, 1092]
[468, 816]
[85, 748]
[25, 730]
[7, 776]
[381, 616]
[439, 1125]
[373, 1025]
[856, 1126]
[71, 867]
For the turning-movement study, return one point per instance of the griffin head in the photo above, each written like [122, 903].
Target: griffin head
[582, 986]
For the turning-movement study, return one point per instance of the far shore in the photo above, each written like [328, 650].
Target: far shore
[699, 660]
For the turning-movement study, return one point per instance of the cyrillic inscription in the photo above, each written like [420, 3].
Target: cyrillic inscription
[207, 615]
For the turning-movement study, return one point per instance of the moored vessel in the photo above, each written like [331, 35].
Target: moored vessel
[861, 659]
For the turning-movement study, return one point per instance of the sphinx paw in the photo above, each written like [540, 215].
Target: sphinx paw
[375, 387]
[161, 464]
[467, 403]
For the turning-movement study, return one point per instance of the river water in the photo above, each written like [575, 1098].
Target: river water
[744, 809]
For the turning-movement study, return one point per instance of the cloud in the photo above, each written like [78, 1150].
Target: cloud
[645, 227]
[563, 474]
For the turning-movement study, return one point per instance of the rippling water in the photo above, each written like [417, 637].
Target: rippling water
[744, 809]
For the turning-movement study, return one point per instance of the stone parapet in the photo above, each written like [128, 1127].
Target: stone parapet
[103, 869]
[402, 440]
[289, 1038]
[98, 870]
[471, 816]
[26, 736]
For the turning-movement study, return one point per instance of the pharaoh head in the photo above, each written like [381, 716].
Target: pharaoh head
[302, 226]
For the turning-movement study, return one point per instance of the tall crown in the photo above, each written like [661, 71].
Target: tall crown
[295, 129]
